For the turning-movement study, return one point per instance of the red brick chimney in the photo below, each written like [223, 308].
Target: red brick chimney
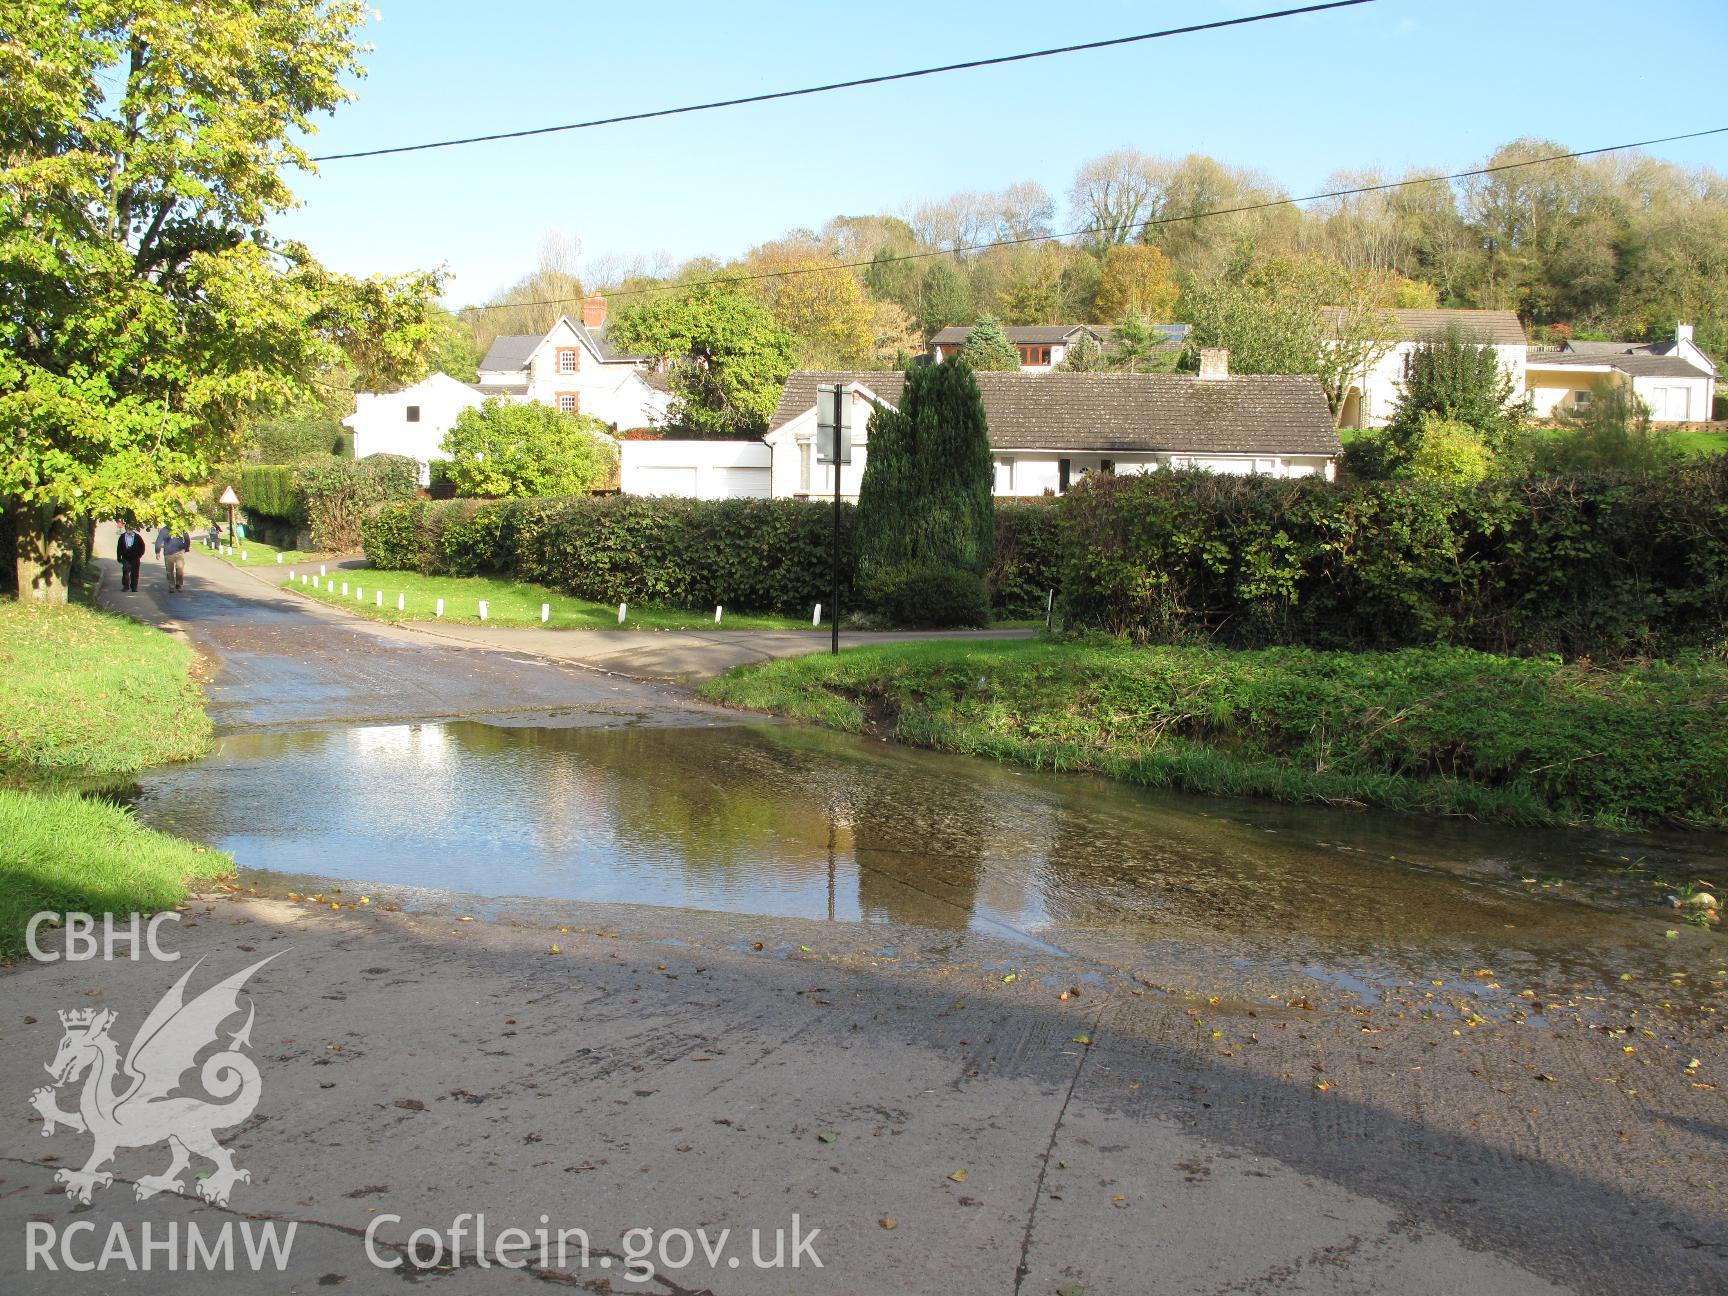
[594, 311]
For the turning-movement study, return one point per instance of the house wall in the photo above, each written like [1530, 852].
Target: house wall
[613, 393]
[380, 421]
[1385, 379]
[1552, 391]
[1017, 472]
[1676, 400]
[696, 469]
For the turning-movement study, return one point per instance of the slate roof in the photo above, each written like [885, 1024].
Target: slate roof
[1496, 327]
[512, 351]
[1181, 413]
[1638, 364]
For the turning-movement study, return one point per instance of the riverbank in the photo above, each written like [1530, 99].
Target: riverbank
[91, 700]
[1435, 731]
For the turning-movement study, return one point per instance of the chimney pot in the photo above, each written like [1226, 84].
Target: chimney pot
[1214, 362]
[594, 311]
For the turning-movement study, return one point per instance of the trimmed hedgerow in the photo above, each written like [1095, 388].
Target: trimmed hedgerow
[1581, 568]
[754, 555]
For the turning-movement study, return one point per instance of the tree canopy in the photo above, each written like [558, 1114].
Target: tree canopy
[987, 348]
[146, 312]
[507, 449]
[728, 355]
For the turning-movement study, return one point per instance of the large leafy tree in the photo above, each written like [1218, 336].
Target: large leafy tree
[505, 449]
[1136, 279]
[146, 314]
[1273, 316]
[728, 356]
[820, 303]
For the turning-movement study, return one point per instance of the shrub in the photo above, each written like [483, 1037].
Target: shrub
[754, 555]
[336, 494]
[527, 449]
[268, 491]
[296, 436]
[1580, 567]
[1446, 450]
[929, 596]
[1027, 562]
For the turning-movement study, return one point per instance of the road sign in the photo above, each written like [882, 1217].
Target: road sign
[833, 423]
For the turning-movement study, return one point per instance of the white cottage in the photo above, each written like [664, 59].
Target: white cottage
[1676, 381]
[573, 367]
[1373, 394]
[1049, 430]
[412, 421]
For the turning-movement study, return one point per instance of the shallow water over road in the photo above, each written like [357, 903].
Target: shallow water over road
[778, 820]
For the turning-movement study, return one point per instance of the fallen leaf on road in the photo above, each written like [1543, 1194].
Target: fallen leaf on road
[827, 1136]
[960, 1176]
[888, 1222]
[1083, 1039]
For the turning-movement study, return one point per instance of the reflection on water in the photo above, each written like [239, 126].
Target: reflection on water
[781, 820]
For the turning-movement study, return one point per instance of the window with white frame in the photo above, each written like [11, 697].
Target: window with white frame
[1580, 398]
[569, 402]
[566, 360]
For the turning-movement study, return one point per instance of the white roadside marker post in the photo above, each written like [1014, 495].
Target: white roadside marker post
[401, 602]
[321, 570]
[545, 613]
[379, 601]
[278, 560]
[290, 573]
[816, 617]
[359, 595]
[482, 609]
[242, 555]
[622, 608]
[440, 611]
[344, 589]
[717, 611]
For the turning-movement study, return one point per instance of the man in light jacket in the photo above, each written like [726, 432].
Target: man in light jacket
[173, 546]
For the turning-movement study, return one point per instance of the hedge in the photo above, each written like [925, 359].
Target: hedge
[268, 490]
[334, 494]
[754, 555]
[1581, 568]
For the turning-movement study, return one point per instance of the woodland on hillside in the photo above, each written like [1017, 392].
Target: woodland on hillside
[1622, 245]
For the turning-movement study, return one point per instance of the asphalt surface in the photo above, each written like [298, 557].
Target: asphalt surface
[955, 1113]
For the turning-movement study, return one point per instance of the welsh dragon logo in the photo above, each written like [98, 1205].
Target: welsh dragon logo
[135, 1103]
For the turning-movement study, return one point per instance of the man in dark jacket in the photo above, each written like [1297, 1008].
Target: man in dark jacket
[129, 552]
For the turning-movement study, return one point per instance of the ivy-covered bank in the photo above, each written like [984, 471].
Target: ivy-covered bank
[1437, 730]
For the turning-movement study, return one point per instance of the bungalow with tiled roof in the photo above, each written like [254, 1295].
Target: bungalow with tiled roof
[1044, 346]
[1047, 431]
[1370, 399]
[1675, 380]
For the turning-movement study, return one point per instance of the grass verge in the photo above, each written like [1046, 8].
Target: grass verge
[512, 603]
[69, 853]
[89, 699]
[254, 553]
[1439, 731]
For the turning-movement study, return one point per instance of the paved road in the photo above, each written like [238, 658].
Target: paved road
[931, 1101]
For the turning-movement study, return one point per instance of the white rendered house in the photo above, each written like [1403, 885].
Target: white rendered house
[1373, 394]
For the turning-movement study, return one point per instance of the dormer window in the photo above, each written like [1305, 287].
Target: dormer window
[413, 413]
[567, 360]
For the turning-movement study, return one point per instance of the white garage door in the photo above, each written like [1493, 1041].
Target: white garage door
[1670, 404]
[742, 483]
[666, 481]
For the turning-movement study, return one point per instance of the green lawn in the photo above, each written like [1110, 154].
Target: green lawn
[89, 698]
[1702, 441]
[1442, 731]
[89, 695]
[509, 603]
[254, 553]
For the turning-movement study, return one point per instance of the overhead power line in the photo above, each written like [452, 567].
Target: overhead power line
[1152, 223]
[883, 79]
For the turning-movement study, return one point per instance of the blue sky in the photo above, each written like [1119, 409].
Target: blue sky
[1435, 83]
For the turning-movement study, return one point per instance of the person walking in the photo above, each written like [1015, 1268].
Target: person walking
[129, 553]
[174, 546]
